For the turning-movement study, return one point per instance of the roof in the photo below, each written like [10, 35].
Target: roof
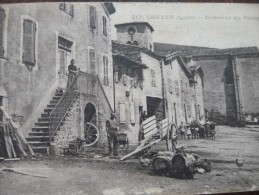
[127, 60]
[132, 51]
[110, 8]
[182, 50]
[135, 23]
[184, 66]
[165, 48]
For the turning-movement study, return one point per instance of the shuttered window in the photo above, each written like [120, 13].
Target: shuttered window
[92, 61]
[176, 87]
[132, 113]
[122, 113]
[125, 77]
[153, 80]
[105, 70]
[170, 85]
[29, 36]
[104, 26]
[2, 23]
[92, 16]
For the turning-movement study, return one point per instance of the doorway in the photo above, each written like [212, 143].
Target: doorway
[90, 114]
[64, 58]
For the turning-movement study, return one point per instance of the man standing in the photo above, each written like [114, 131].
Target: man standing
[112, 131]
[71, 72]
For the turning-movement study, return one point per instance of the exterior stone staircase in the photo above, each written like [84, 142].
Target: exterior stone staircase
[39, 136]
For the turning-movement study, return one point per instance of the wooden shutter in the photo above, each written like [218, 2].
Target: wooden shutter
[132, 113]
[105, 70]
[92, 61]
[2, 22]
[92, 16]
[125, 76]
[176, 87]
[122, 113]
[170, 87]
[29, 33]
[104, 26]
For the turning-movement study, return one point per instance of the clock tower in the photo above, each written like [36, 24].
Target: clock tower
[136, 33]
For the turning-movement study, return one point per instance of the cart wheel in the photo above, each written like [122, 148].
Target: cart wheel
[170, 140]
[91, 134]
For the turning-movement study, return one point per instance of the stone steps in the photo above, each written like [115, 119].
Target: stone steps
[39, 135]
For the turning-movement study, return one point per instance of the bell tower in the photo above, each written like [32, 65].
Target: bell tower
[136, 33]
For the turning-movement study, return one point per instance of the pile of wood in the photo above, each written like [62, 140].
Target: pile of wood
[12, 142]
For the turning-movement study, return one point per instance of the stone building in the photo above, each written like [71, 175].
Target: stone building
[169, 88]
[37, 42]
[138, 87]
[230, 80]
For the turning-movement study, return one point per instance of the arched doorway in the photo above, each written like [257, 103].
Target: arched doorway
[90, 114]
[91, 133]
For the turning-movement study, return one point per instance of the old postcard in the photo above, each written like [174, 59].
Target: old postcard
[129, 98]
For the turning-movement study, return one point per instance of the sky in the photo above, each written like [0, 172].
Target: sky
[196, 24]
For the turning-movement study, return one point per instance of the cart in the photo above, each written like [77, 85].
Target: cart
[153, 134]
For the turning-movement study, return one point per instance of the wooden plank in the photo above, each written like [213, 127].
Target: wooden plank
[149, 128]
[150, 133]
[140, 149]
[149, 124]
[149, 119]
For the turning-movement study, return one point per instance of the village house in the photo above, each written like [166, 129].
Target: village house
[169, 89]
[230, 80]
[37, 43]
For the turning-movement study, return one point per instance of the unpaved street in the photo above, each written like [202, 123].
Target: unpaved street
[70, 175]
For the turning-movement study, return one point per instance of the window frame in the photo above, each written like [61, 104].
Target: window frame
[93, 28]
[153, 78]
[26, 17]
[104, 27]
[105, 61]
[89, 59]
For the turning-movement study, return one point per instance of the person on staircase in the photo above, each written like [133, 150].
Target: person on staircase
[72, 70]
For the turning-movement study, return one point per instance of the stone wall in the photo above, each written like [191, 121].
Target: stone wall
[73, 125]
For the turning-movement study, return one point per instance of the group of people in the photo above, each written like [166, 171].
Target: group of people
[196, 130]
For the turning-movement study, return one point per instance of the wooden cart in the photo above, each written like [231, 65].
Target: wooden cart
[154, 133]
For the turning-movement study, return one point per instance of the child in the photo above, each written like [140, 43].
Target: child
[188, 131]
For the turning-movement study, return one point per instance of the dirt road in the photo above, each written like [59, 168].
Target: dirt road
[66, 175]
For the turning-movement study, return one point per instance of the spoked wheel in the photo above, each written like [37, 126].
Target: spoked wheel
[170, 138]
[91, 134]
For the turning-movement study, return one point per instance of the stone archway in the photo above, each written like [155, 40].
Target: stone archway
[90, 114]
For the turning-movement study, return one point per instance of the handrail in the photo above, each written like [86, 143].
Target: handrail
[60, 110]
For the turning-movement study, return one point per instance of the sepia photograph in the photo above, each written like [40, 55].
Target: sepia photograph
[129, 98]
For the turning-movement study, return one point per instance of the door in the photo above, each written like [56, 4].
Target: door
[64, 58]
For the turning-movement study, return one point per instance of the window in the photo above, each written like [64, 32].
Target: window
[176, 87]
[170, 85]
[182, 86]
[122, 111]
[92, 61]
[29, 39]
[104, 26]
[92, 16]
[64, 7]
[132, 113]
[153, 80]
[125, 77]
[2, 23]
[105, 71]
